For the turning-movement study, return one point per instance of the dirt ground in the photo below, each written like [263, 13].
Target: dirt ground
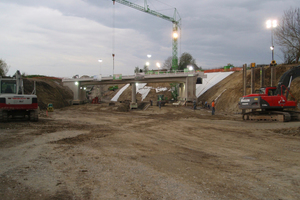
[94, 152]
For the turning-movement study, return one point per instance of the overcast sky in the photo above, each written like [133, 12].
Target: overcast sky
[67, 37]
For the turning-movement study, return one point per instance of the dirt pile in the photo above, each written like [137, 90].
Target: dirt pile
[49, 91]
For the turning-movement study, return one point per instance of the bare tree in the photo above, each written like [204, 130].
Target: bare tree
[3, 67]
[136, 70]
[168, 63]
[146, 68]
[287, 35]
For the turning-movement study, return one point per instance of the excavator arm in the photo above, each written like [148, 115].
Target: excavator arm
[286, 80]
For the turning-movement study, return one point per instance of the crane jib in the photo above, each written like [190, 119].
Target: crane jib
[147, 10]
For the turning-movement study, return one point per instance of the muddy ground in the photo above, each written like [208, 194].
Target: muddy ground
[95, 152]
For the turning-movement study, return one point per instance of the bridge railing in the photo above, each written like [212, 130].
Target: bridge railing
[147, 74]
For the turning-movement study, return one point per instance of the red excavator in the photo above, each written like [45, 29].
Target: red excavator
[271, 103]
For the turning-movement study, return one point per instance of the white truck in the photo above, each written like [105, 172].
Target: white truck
[13, 102]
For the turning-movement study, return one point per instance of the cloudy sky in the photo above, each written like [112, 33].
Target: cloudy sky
[67, 37]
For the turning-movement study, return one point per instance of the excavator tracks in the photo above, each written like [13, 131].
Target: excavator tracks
[280, 116]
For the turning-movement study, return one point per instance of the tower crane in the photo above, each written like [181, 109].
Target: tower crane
[176, 20]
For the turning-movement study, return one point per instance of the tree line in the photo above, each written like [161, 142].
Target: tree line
[287, 35]
[185, 60]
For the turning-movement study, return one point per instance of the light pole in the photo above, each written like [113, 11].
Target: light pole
[100, 61]
[272, 24]
[148, 63]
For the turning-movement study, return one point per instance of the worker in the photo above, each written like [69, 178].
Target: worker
[151, 102]
[195, 104]
[213, 107]
[159, 102]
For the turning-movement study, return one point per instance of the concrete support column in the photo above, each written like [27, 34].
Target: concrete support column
[273, 75]
[181, 90]
[133, 97]
[262, 76]
[245, 78]
[190, 90]
[245, 83]
[252, 80]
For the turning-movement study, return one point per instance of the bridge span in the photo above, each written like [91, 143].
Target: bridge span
[187, 83]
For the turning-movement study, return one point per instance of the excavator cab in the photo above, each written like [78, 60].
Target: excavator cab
[8, 87]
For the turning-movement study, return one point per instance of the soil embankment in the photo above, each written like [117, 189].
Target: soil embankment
[49, 91]
[229, 90]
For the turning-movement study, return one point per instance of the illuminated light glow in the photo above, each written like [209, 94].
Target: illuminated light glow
[175, 35]
[191, 68]
[271, 23]
[158, 65]
[99, 60]
[274, 23]
[76, 83]
[272, 48]
[149, 56]
[147, 64]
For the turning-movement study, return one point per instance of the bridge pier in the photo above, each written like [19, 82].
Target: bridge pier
[133, 103]
[187, 90]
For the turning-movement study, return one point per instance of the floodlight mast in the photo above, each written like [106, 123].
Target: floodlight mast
[176, 24]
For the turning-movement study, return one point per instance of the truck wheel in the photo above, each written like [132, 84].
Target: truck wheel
[33, 116]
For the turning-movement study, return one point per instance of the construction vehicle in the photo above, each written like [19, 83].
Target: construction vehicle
[113, 88]
[13, 102]
[271, 103]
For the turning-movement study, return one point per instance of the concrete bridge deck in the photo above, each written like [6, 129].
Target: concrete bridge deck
[187, 83]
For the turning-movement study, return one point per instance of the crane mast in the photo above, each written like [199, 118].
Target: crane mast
[174, 20]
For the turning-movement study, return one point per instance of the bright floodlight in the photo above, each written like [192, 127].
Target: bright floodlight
[76, 83]
[175, 35]
[272, 48]
[274, 23]
[158, 65]
[191, 68]
[149, 56]
[147, 64]
[99, 60]
[271, 23]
